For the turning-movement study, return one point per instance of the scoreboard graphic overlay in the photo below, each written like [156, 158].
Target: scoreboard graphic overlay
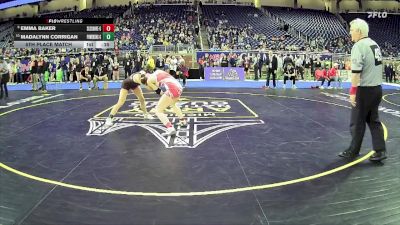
[64, 33]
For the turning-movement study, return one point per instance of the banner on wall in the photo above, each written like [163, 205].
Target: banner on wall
[224, 73]
[216, 55]
[25, 64]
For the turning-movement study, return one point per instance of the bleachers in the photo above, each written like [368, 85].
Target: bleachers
[385, 31]
[229, 27]
[108, 12]
[313, 23]
[6, 31]
[223, 19]
[155, 25]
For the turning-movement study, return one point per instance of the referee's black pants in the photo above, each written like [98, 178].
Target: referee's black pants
[3, 84]
[269, 72]
[366, 112]
[127, 70]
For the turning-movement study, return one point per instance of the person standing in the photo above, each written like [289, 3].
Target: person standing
[272, 65]
[260, 64]
[388, 72]
[307, 67]
[40, 71]
[115, 67]
[4, 77]
[224, 61]
[299, 67]
[255, 66]
[109, 67]
[397, 72]
[365, 92]
[201, 63]
[12, 71]
[160, 62]
[127, 65]
[246, 65]
[138, 60]
[71, 68]
[64, 68]
[173, 66]
[183, 70]
[151, 64]
[19, 71]
[33, 64]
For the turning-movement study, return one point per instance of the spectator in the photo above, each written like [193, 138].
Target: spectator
[289, 74]
[332, 75]
[254, 61]
[34, 72]
[115, 66]
[173, 66]
[320, 75]
[160, 62]
[19, 71]
[4, 77]
[41, 69]
[272, 67]
[307, 67]
[299, 67]
[84, 76]
[127, 63]
[101, 75]
[12, 70]
[150, 64]
[183, 70]
[389, 72]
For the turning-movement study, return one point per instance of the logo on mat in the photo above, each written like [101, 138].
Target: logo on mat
[207, 117]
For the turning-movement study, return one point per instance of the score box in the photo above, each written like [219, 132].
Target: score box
[107, 36]
[105, 44]
[108, 28]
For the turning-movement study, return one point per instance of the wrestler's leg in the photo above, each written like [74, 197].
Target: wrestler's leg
[162, 104]
[139, 94]
[123, 93]
[178, 112]
[105, 82]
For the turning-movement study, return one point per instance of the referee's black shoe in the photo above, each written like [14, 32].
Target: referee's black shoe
[378, 156]
[348, 154]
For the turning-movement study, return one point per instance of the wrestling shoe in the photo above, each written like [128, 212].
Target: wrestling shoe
[148, 117]
[169, 132]
[109, 121]
[182, 123]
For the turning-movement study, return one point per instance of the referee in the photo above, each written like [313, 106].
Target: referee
[365, 92]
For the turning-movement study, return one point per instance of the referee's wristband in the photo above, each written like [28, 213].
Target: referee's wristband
[353, 90]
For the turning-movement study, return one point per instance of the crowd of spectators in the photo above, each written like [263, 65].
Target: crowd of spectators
[140, 27]
[148, 25]
[245, 28]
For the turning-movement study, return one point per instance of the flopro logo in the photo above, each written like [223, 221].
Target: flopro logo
[207, 117]
[380, 15]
